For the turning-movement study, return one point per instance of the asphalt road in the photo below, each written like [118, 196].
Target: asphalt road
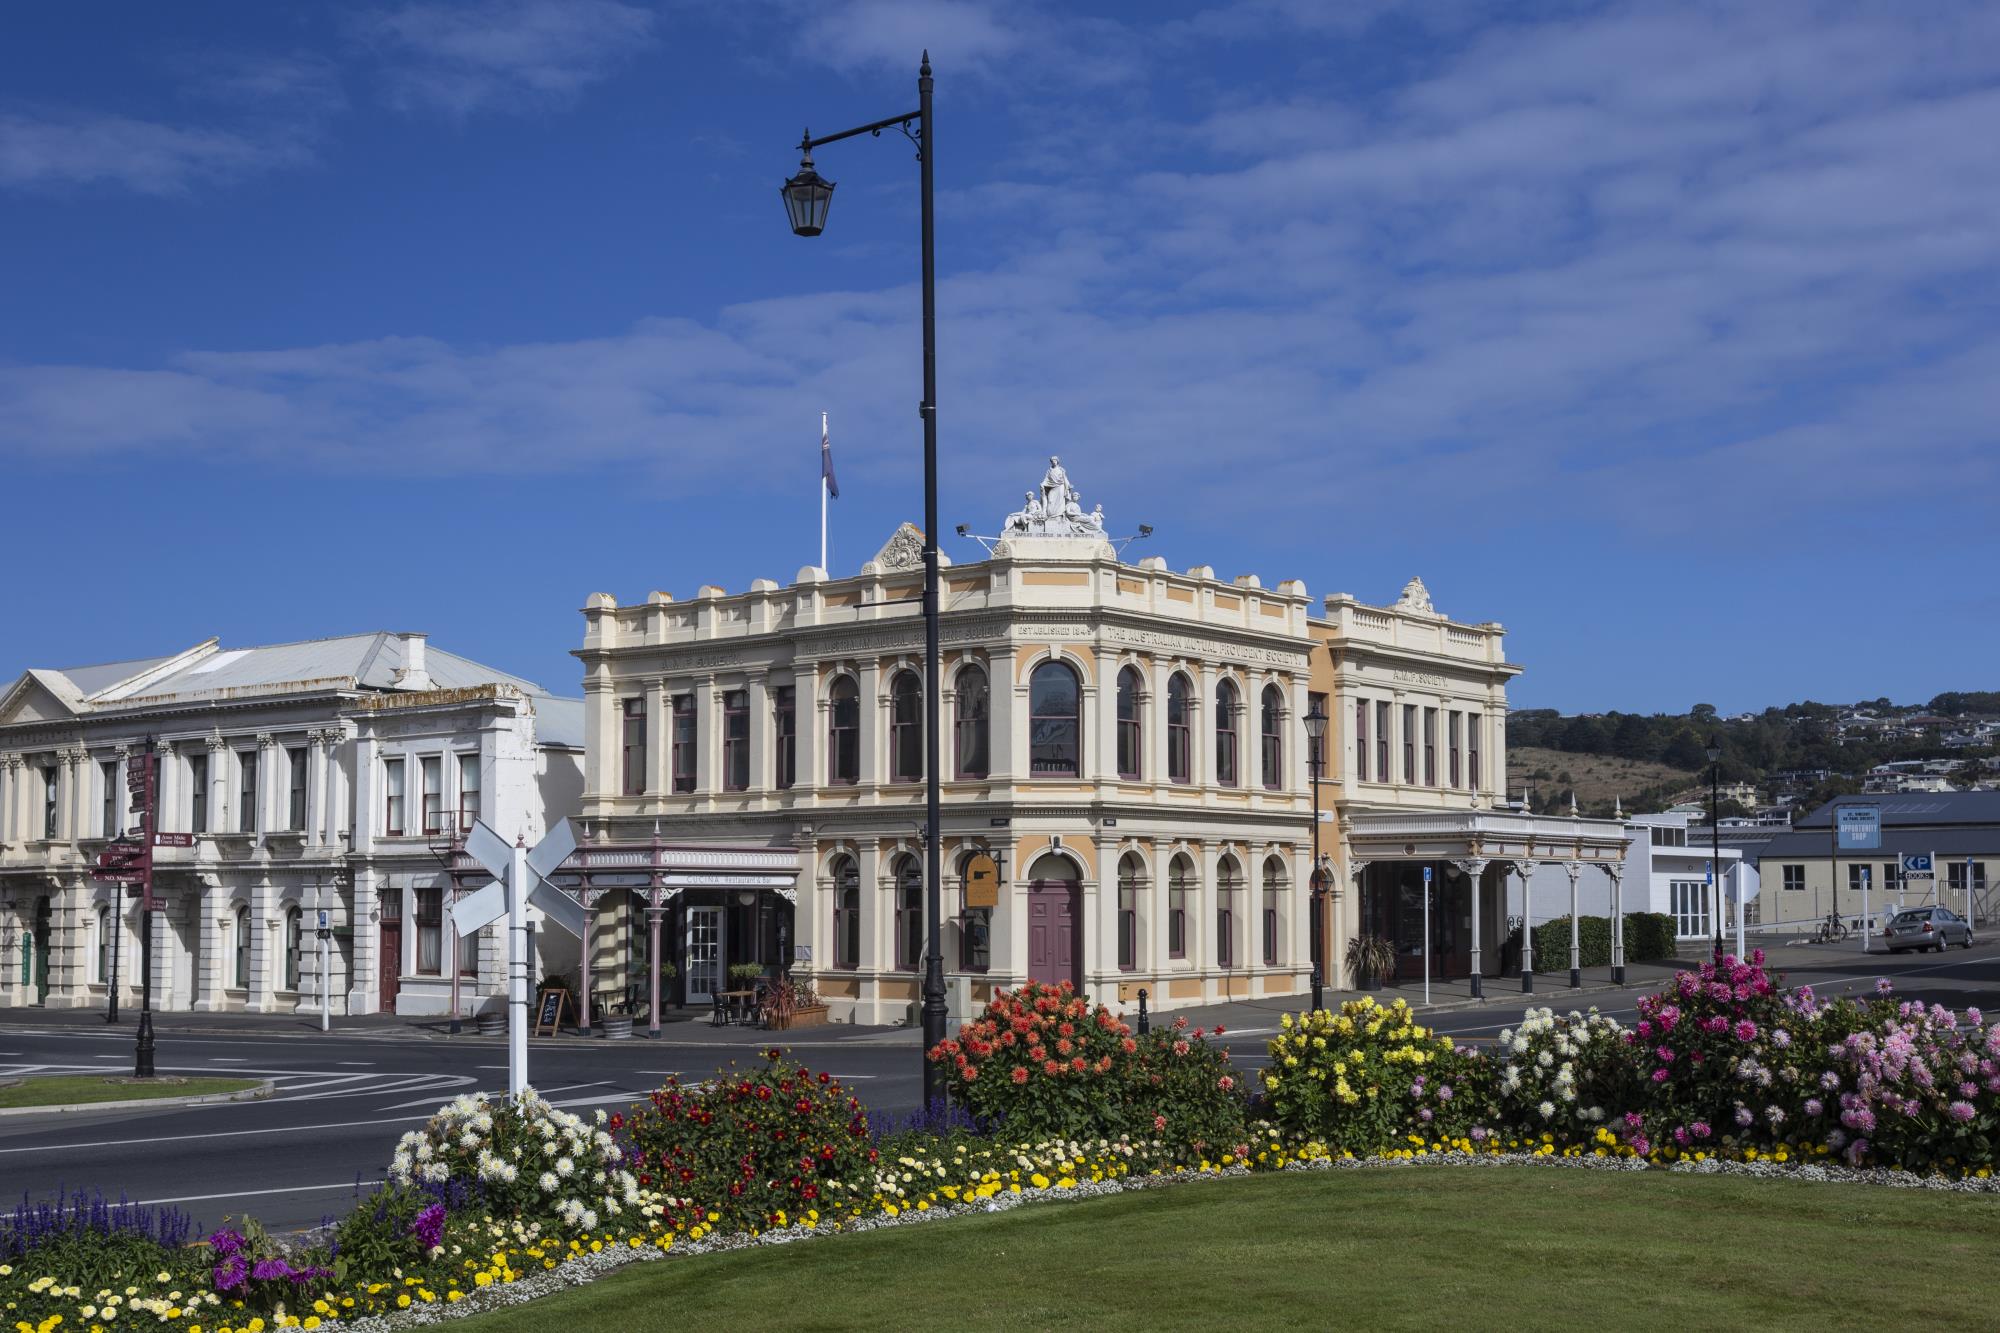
[342, 1099]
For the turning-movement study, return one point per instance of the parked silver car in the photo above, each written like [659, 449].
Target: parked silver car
[1926, 928]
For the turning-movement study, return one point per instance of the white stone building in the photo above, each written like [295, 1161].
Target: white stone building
[1666, 870]
[325, 775]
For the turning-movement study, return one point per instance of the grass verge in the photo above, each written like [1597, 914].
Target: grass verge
[1422, 1248]
[76, 1089]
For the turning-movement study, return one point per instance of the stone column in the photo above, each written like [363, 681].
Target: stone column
[707, 738]
[1574, 869]
[1153, 911]
[653, 913]
[1203, 941]
[1003, 759]
[1101, 934]
[167, 812]
[1475, 872]
[762, 733]
[267, 946]
[1616, 874]
[874, 728]
[213, 910]
[1526, 871]
[10, 793]
[315, 787]
[659, 741]
[364, 978]
[1201, 727]
[267, 773]
[218, 785]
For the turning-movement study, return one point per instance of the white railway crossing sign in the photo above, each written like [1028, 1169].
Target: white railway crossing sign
[520, 877]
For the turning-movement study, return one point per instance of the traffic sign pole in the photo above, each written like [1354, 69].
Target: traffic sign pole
[1427, 937]
[517, 971]
[142, 1058]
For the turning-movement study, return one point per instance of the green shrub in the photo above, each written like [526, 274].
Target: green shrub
[1593, 943]
[1649, 937]
[750, 1147]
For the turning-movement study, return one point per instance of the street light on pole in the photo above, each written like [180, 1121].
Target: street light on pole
[807, 197]
[1715, 835]
[1316, 882]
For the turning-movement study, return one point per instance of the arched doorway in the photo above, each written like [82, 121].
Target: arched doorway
[1054, 952]
[39, 957]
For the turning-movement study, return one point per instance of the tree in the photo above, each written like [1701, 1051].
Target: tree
[1702, 713]
[1633, 739]
[1684, 751]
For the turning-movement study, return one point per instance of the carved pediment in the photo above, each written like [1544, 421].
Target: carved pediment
[903, 550]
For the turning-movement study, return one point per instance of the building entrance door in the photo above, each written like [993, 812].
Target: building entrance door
[704, 954]
[389, 958]
[40, 961]
[1052, 931]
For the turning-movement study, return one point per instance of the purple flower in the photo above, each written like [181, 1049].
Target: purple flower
[1659, 1076]
[1444, 1092]
[1960, 1111]
[1743, 1116]
[1781, 1038]
[1883, 986]
[229, 1274]
[1814, 1106]
[1424, 1114]
[271, 1270]
[429, 1226]
[1700, 1129]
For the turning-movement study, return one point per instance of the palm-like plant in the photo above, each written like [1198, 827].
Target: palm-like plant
[1368, 957]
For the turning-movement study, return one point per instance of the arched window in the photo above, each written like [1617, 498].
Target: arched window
[1271, 717]
[1129, 730]
[295, 942]
[846, 914]
[1180, 884]
[1180, 733]
[971, 730]
[1055, 702]
[1228, 880]
[1226, 708]
[242, 941]
[1131, 881]
[1274, 890]
[909, 913]
[906, 728]
[843, 732]
[975, 927]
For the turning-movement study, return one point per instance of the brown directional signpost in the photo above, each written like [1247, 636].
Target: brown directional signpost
[129, 861]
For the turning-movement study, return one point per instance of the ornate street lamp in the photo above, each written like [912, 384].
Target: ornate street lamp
[1315, 735]
[807, 196]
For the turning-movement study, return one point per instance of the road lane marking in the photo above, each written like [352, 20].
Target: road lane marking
[217, 1134]
[250, 1194]
[356, 1064]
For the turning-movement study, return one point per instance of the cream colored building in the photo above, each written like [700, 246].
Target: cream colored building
[325, 776]
[1126, 741]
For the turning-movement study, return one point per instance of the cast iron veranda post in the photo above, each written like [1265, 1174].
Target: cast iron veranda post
[1715, 840]
[934, 1007]
[142, 1062]
[1316, 914]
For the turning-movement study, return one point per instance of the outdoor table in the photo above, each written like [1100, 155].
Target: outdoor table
[739, 1004]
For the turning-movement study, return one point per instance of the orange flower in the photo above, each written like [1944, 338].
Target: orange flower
[1020, 1073]
[1051, 1068]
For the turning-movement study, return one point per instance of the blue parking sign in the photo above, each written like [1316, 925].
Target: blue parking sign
[1918, 865]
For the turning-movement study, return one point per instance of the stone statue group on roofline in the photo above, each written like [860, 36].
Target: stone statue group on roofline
[1056, 512]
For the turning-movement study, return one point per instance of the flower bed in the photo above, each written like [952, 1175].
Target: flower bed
[494, 1200]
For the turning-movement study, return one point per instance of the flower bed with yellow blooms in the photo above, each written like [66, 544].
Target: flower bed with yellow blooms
[495, 1202]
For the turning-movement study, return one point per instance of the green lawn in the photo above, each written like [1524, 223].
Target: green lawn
[1521, 1248]
[72, 1089]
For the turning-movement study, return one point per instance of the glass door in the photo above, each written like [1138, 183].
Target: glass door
[704, 954]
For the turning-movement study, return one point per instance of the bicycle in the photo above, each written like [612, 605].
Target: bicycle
[1831, 931]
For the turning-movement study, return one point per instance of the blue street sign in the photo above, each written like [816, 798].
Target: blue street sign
[1427, 876]
[1917, 865]
[1860, 827]
[1708, 872]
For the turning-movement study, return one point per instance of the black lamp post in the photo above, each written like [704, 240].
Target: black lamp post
[1315, 735]
[1715, 834]
[807, 197]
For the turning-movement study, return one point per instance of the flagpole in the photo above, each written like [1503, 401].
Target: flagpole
[822, 497]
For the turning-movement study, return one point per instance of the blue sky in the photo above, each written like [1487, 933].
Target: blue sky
[1665, 335]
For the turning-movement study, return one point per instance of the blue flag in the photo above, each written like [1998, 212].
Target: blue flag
[826, 466]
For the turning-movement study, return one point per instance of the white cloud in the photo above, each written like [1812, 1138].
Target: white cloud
[1698, 258]
[66, 149]
[501, 54]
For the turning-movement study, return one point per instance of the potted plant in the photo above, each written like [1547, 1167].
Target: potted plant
[793, 1004]
[746, 975]
[1369, 959]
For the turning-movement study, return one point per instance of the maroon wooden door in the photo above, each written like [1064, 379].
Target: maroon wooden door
[390, 965]
[1052, 931]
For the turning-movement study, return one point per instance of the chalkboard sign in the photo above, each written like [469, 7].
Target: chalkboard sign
[550, 1014]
